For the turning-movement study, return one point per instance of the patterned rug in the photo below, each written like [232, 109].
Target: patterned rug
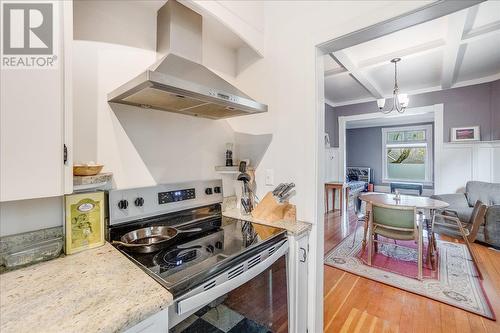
[456, 284]
[400, 259]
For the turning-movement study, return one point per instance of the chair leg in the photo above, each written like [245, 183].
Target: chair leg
[370, 247]
[469, 248]
[429, 254]
[433, 236]
[367, 220]
[430, 245]
[420, 250]
[375, 243]
[354, 238]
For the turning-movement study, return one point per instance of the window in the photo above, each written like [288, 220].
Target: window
[407, 154]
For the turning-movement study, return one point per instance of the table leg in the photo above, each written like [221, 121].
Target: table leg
[333, 198]
[420, 250]
[370, 241]
[341, 195]
[367, 223]
[347, 200]
[326, 198]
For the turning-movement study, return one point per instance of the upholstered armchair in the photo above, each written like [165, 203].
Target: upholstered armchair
[462, 204]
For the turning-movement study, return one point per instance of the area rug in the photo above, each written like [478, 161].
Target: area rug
[456, 283]
[400, 259]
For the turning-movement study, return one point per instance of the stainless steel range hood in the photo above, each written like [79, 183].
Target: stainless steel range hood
[178, 82]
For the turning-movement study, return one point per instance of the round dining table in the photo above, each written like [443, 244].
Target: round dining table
[421, 203]
[404, 200]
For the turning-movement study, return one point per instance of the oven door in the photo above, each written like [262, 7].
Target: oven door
[251, 293]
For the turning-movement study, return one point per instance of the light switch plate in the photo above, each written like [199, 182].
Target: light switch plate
[270, 177]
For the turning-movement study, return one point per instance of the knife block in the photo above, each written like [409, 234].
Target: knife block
[270, 210]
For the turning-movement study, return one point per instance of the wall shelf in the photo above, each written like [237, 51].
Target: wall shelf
[230, 170]
[90, 183]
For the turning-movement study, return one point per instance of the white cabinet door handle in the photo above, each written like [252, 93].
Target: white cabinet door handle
[304, 255]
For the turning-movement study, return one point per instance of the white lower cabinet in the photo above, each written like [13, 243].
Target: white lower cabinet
[157, 323]
[297, 270]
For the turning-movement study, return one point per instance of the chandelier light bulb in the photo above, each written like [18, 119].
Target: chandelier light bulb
[381, 102]
[403, 100]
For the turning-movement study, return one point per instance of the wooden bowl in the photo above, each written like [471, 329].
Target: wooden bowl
[86, 170]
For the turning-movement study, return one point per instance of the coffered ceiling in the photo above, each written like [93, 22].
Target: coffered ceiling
[455, 50]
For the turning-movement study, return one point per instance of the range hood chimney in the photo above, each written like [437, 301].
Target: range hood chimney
[179, 31]
[178, 82]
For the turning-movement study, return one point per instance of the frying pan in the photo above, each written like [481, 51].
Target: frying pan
[151, 239]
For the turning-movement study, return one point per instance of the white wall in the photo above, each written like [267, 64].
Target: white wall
[28, 215]
[332, 173]
[469, 161]
[141, 147]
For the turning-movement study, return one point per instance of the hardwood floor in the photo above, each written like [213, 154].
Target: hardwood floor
[357, 304]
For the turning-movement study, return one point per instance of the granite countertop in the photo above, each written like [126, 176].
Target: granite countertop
[294, 228]
[98, 290]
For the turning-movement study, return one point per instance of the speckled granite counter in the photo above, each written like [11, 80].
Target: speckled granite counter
[294, 228]
[98, 290]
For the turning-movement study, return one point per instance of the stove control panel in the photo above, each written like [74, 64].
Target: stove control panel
[131, 204]
[178, 195]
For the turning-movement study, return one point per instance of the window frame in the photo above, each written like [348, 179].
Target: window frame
[429, 175]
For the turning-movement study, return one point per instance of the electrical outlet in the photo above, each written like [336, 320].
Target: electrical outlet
[270, 177]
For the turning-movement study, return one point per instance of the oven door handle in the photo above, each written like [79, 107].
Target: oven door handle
[204, 297]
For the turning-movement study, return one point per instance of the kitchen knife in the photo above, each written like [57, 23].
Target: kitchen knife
[287, 196]
[285, 190]
[278, 189]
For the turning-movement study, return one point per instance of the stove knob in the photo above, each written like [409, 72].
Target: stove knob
[210, 248]
[218, 245]
[217, 189]
[208, 191]
[139, 202]
[123, 204]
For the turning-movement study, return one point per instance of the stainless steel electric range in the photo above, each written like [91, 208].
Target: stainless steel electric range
[201, 266]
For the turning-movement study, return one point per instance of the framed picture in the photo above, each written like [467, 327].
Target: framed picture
[84, 225]
[470, 133]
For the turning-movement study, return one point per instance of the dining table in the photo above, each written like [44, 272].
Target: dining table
[422, 204]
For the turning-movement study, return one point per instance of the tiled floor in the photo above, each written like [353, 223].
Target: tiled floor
[217, 320]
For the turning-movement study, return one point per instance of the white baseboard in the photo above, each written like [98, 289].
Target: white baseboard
[427, 192]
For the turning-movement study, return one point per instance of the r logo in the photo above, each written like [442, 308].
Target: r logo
[27, 28]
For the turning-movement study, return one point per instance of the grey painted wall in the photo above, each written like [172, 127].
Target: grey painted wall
[364, 149]
[495, 110]
[466, 106]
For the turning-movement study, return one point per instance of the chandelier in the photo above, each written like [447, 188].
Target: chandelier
[399, 101]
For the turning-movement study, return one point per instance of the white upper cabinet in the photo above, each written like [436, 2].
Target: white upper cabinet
[35, 107]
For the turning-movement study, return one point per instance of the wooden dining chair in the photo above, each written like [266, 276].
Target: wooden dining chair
[396, 223]
[447, 222]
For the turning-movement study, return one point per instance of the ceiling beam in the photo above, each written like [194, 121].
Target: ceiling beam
[481, 32]
[423, 14]
[335, 71]
[343, 59]
[409, 52]
[452, 55]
